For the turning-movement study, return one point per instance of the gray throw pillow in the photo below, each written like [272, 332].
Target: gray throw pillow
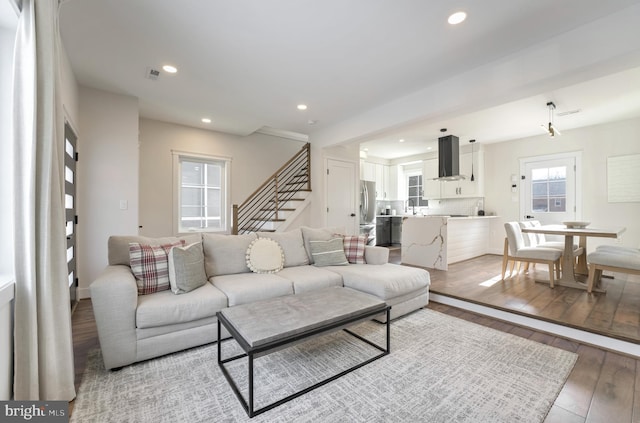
[328, 253]
[186, 268]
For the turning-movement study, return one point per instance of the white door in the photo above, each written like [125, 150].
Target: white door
[341, 195]
[549, 189]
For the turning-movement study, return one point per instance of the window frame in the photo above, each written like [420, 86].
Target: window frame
[225, 197]
[408, 174]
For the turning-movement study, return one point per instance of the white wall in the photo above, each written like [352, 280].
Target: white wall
[253, 159]
[70, 92]
[596, 144]
[107, 173]
[7, 37]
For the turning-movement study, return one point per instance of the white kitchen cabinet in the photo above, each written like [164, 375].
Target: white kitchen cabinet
[465, 188]
[430, 186]
[393, 184]
[367, 171]
[381, 181]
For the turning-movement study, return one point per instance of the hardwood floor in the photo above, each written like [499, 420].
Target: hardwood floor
[615, 314]
[603, 386]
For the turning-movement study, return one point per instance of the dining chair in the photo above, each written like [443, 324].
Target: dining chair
[515, 250]
[539, 240]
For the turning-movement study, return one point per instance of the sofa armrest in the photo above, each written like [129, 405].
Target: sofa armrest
[376, 255]
[114, 295]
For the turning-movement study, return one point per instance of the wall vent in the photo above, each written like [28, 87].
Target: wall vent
[152, 74]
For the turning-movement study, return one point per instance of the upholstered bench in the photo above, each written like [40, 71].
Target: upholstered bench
[621, 261]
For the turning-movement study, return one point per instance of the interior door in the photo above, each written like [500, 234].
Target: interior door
[549, 189]
[70, 159]
[341, 195]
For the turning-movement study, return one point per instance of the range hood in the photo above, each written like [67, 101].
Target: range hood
[449, 159]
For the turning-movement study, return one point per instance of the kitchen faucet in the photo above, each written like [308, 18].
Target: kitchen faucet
[413, 204]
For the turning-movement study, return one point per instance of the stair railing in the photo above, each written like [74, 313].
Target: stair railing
[266, 203]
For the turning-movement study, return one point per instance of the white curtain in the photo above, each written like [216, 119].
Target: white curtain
[43, 360]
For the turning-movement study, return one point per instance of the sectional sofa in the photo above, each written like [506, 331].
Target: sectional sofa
[134, 327]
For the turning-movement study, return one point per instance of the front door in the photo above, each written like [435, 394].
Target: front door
[70, 159]
[341, 195]
[549, 188]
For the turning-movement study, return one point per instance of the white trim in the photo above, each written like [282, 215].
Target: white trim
[83, 293]
[577, 156]
[281, 133]
[578, 335]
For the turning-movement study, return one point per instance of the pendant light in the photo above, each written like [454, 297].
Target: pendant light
[472, 177]
[550, 128]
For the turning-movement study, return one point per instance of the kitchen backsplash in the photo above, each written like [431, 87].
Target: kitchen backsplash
[465, 206]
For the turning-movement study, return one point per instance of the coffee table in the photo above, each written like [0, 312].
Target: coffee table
[263, 327]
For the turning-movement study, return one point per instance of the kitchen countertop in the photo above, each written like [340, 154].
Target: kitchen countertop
[449, 216]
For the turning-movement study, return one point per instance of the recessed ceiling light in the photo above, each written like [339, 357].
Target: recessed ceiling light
[302, 107]
[206, 120]
[456, 18]
[401, 140]
[170, 69]
[429, 148]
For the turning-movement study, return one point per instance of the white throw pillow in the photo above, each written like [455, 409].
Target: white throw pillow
[265, 255]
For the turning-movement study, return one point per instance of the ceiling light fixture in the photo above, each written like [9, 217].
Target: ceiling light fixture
[170, 69]
[550, 128]
[457, 18]
[206, 120]
[302, 107]
[401, 140]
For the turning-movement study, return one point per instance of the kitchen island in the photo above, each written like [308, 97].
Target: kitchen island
[437, 241]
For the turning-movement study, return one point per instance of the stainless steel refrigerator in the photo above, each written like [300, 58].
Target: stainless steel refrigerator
[368, 211]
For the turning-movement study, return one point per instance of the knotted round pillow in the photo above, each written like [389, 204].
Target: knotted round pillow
[265, 255]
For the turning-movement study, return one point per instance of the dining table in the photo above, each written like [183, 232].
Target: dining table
[571, 270]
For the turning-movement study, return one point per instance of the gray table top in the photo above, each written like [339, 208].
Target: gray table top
[267, 321]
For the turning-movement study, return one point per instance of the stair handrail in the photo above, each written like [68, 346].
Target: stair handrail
[270, 189]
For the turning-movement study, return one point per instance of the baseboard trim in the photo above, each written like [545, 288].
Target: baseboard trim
[581, 336]
[83, 293]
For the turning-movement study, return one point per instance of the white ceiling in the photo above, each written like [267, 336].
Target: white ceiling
[247, 64]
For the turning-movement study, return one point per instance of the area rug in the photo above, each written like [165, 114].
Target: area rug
[441, 369]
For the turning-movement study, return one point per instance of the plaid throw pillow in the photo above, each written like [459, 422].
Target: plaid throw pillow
[150, 266]
[354, 248]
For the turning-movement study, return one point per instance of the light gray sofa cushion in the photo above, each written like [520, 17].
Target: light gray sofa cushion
[226, 254]
[165, 308]
[310, 278]
[118, 245]
[317, 234]
[186, 268]
[292, 244]
[249, 287]
[385, 281]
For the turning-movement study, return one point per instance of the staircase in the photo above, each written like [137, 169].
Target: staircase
[278, 200]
